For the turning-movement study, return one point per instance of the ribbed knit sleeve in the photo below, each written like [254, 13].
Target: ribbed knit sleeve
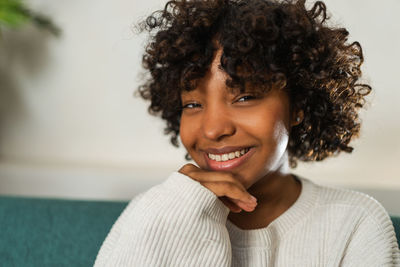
[373, 242]
[176, 223]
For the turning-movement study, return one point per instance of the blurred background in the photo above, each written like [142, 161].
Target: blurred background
[70, 126]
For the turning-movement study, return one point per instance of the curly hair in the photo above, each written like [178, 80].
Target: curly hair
[265, 43]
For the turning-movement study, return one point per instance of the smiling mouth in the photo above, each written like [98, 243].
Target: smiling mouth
[226, 163]
[228, 156]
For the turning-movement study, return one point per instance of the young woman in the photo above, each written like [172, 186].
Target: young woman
[251, 87]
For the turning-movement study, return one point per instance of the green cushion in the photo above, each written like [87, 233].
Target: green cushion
[396, 224]
[53, 232]
[58, 232]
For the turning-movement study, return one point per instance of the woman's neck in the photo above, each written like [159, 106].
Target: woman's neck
[276, 192]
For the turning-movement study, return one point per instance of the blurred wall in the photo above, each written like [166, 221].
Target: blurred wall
[71, 127]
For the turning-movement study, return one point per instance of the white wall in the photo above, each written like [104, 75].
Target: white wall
[70, 126]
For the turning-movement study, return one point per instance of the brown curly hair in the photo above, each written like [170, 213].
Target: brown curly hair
[266, 43]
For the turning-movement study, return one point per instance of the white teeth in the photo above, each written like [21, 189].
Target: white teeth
[228, 156]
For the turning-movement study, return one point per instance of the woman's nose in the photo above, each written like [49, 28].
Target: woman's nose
[217, 123]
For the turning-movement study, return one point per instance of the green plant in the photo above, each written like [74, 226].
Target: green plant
[15, 13]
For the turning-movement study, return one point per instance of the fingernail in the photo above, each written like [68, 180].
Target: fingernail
[251, 204]
[252, 207]
[252, 198]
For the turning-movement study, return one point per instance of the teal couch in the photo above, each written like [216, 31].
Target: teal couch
[40, 232]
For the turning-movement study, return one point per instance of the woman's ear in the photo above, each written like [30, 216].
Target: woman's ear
[297, 117]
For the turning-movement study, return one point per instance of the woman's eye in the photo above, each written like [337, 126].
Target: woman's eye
[246, 97]
[190, 105]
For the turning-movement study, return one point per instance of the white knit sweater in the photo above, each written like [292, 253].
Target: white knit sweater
[181, 223]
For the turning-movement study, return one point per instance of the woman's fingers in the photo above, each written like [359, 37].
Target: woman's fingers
[245, 205]
[236, 205]
[231, 192]
[230, 189]
[223, 183]
[234, 195]
[233, 207]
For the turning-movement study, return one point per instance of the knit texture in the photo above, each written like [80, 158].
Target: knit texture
[181, 223]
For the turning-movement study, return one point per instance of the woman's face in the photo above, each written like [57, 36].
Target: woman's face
[213, 118]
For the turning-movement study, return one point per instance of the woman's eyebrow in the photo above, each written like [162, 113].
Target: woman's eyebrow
[190, 93]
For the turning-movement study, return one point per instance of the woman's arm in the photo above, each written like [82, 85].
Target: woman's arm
[373, 242]
[176, 223]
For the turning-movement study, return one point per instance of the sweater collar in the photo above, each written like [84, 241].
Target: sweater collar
[265, 237]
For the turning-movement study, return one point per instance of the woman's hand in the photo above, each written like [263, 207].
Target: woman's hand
[229, 190]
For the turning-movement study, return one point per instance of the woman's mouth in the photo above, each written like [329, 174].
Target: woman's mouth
[228, 156]
[228, 161]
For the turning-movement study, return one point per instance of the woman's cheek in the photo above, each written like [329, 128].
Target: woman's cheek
[183, 133]
[187, 132]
